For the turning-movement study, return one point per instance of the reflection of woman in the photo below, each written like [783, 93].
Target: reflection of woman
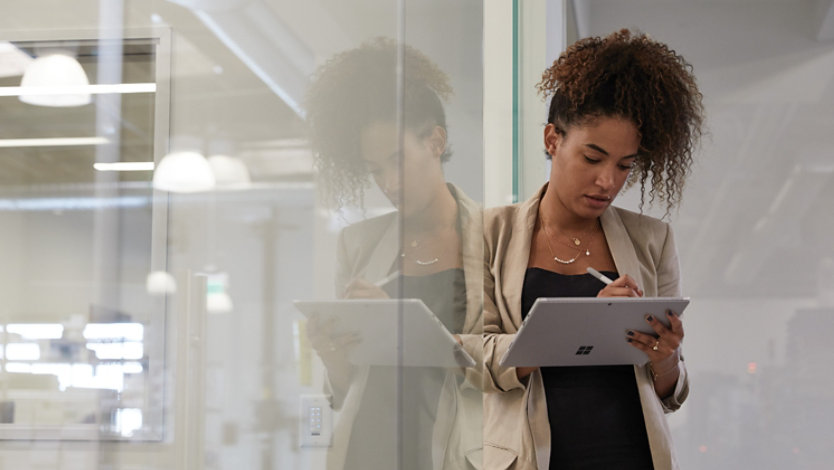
[623, 108]
[431, 248]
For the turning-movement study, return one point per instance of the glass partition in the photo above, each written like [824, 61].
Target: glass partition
[164, 213]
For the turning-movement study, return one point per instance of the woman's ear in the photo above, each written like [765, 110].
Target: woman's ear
[552, 138]
[437, 141]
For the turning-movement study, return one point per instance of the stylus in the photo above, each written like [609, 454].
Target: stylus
[387, 279]
[599, 275]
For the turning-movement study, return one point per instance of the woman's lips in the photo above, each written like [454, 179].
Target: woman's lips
[598, 201]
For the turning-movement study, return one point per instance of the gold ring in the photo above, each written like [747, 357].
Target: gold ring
[656, 344]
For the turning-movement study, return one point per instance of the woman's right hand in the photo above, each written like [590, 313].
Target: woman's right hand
[362, 289]
[623, 286]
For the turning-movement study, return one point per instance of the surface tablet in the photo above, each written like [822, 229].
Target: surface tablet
[586, 331]
[425, 340]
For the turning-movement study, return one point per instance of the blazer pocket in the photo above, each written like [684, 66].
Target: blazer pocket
[498, 458]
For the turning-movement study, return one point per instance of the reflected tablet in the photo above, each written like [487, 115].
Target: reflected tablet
[425, 340]
[586, 331]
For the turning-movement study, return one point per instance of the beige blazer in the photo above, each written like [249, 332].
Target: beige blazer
[516, 428]
[369, 250]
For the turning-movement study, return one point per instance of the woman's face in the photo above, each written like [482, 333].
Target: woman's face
[412, 187]
[591, 163]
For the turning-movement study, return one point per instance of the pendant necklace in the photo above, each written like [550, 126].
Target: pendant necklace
[577, 242]
[430, 262]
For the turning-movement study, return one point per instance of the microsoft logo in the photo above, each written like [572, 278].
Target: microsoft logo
[584, 350]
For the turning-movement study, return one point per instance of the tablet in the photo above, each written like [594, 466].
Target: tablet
[425, 340]
[586, 331]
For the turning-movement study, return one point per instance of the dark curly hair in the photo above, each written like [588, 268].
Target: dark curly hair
[632, 76]
[357, 88]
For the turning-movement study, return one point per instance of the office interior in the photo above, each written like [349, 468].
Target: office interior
[148, 318]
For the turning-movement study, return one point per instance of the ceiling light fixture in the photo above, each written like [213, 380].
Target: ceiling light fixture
[56, 69]
[183, 172]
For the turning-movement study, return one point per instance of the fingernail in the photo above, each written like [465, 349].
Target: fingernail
[630, 333]
[669, 313]
[649, 318]
[628, 339]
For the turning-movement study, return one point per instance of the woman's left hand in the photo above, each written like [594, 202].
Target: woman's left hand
[663, 350]
[663, 347]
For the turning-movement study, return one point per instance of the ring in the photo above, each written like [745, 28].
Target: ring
[656, 344]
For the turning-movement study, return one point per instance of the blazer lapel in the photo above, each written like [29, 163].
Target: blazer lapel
[621, 247]
[472, 253]
[518, 255]
[385, 255]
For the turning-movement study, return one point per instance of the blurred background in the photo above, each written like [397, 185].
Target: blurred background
[160, 211]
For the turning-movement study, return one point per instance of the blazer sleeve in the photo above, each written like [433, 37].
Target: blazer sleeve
[669, 285]
[344, 265]
[668, 269]
[343, 274]
[496, 339]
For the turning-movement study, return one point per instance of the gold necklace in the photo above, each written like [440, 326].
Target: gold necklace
[415, 244]
[577, 245]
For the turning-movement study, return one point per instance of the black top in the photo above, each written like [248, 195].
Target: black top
[404, 399]
[444, 293]
[596, 421]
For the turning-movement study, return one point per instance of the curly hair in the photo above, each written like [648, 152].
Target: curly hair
[632, 76]
[357, 88]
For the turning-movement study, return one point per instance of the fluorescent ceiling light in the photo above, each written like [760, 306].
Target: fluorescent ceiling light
[23, 352]
[124, 166]
[123, 88]
[37, 330]
[53, 142]
[72, 203]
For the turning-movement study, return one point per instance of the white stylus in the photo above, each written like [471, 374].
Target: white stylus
[387, 279]
[599, 275]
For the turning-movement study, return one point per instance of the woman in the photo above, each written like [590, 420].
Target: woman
[624, 108]
[431, 248]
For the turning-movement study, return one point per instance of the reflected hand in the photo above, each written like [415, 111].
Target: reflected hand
[333, 347]
[325, 338]
[362, 289]
[623, 286]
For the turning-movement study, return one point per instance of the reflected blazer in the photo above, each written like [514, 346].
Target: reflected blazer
[516, 428]
[370, 250]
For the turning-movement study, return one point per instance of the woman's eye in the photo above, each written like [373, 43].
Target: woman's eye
[627, 167]
[591, 160]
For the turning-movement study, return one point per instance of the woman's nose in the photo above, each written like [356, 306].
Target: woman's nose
[391, 181]
[605, 179]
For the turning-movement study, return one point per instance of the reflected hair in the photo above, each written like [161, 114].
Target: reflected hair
[357, 88]
[629, 75]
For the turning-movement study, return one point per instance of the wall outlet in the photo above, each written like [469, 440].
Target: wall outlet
[315, 423]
